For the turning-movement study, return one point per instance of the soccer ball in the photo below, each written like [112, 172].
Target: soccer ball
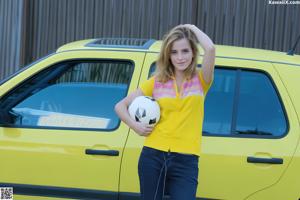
[144, 109]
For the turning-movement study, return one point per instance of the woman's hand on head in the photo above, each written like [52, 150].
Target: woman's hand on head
[142, 129]
[194, 29]
[191, 26]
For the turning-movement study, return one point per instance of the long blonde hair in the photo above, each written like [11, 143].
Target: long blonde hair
[164, 67]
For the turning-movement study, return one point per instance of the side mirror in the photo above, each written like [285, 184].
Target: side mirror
[7, 117]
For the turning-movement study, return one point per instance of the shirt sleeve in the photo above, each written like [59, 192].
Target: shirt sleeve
[205, 85]
[147, 87]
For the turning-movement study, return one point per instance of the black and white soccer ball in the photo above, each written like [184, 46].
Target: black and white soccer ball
[144, 109]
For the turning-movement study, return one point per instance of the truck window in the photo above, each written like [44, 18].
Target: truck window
[74, 94]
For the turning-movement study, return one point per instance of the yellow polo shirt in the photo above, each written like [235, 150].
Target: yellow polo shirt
[180, 126]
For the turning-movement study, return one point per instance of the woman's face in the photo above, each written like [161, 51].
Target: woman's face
[181, 54]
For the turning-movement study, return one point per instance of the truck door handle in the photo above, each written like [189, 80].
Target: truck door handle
[264, 160]
[102, 152]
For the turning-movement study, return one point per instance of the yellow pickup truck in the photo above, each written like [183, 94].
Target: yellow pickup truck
[60, 137]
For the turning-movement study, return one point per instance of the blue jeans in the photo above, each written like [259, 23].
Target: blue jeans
[170, 173]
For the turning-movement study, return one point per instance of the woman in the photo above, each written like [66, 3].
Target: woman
[169, 158]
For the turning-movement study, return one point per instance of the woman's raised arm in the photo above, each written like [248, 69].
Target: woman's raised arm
[208, 63]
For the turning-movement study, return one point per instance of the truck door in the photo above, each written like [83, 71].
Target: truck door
[249, 132]
[60, 135]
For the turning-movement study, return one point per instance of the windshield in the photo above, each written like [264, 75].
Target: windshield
[23, 69]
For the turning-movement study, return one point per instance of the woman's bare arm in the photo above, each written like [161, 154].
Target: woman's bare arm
[121, 109]
[208, 63]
